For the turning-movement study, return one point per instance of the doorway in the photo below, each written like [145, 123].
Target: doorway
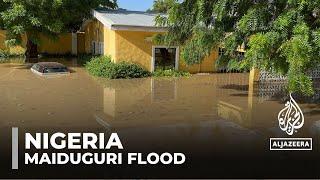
[164, 58]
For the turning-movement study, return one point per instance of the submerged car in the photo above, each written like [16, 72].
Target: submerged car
[49, 68]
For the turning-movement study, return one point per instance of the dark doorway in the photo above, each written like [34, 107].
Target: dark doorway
[165, 58]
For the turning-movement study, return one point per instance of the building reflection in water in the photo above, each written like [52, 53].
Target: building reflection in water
[200, 104]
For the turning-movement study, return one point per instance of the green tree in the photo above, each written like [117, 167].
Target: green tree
[3, 7]
[162, 6]
[281, 37]
[49, 17]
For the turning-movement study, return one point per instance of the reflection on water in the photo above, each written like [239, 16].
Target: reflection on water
[202, 104]
[12, 60]
[200, 108]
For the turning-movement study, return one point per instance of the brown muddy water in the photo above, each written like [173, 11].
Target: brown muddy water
[155, 111]
[219, 121]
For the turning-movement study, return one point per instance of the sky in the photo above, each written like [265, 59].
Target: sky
[137, 5]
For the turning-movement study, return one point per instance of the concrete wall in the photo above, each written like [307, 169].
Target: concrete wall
[81, 43]
[94, 31]
[110, 43]
[132, 46]
[135, 46]
[2, 39]
[61, 45]
[207, 65]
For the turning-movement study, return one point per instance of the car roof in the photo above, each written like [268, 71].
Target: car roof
[51, 65]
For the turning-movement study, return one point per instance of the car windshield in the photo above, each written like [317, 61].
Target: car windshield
[36, 67]
[55, 70]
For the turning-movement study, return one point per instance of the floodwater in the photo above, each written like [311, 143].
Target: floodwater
[161, 113]
[79, 100]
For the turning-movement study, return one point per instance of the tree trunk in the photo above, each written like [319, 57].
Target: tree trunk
[32, 50]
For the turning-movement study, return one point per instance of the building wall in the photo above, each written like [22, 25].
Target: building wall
[81, 43]
[136, 47]
[2, 39]
[207, 65]
[61, 45]
[133, 46]
[94, 31]
[110, 43]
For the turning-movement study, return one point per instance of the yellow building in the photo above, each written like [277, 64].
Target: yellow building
[123, 35]
[63, 44]
[127, 36]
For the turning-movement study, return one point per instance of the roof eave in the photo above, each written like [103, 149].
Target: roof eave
[104, 21]
[138, 28]
[119, 27]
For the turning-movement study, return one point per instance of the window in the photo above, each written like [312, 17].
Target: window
[93, 47]
[55, 70]
[97, 48]
[36, 67]
[221, 51]
[164, 58]
[101, 48]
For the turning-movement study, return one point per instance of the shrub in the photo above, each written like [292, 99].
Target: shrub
[83, 59]
[124, 70]
[104, 67]
[4, 53]
[12, 52]
[16, 60]
[98, 66]
[170, 73]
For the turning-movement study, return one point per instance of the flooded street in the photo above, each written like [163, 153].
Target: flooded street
[196, 106]
[203, 113]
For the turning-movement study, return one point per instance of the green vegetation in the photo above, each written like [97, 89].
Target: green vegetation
[50, 17]
[104, 67]
[83, 59]
[281, 37]
[6, 53]
[170, 73]
[3, 6]
[12, 60]
[162, 6]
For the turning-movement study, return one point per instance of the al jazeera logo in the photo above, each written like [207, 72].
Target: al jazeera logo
[291, 119]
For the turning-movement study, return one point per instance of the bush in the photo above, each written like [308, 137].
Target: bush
[83, 59]
[124, 70]
[170, 73]
[98, 66]
[104, 67]
[4, 53]
[13, 52]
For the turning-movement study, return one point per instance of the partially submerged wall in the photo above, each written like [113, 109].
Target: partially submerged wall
[136, 47]
[60, 45]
